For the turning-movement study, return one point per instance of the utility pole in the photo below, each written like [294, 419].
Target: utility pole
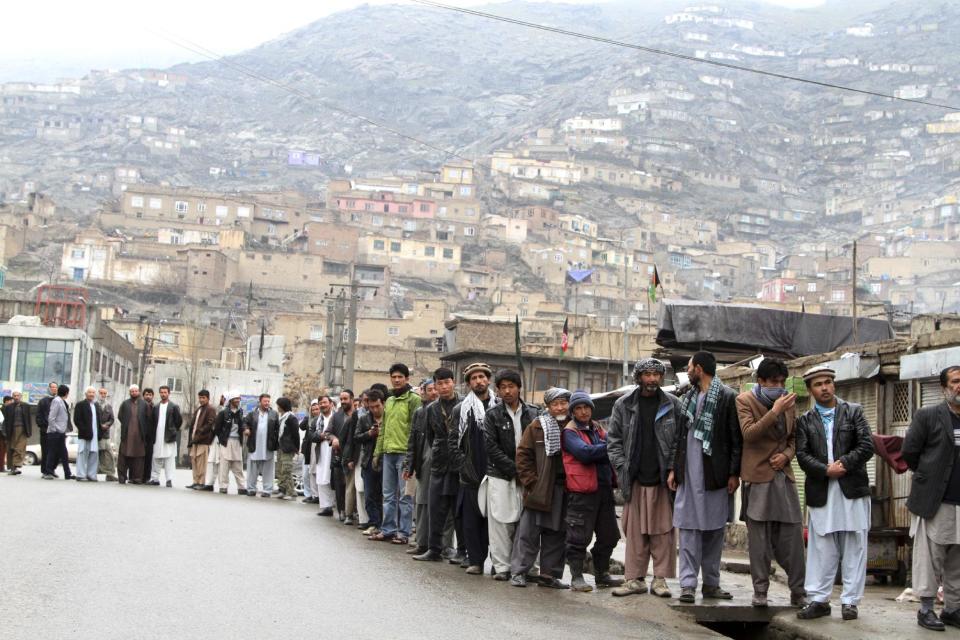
[856, 331]
[351, 336]
[340, 322]
[328, 347]
[626, 314]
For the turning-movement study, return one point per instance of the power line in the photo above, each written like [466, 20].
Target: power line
[200, 50]
[674, 54]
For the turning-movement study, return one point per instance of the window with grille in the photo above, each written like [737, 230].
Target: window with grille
[900, 412]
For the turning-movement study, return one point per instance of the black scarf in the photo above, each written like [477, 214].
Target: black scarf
[399, 392]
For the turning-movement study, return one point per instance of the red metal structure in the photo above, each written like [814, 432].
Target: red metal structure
[62, 306]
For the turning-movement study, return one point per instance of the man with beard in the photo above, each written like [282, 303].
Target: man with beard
[229, 432]
[417, 465]
[201, 437]
[391, 448]
[834, 444]
[166, 428]
[444, 479]
[107, 461]
[147, 395]
[503, 426]
[349, 412]
[705, 475]
[323, 454]
[468, 452]
[640, 441]
[16, 425]
[261, 428]
[309, 426]
[132, 415]
[931, 450]
[771, 506]
[86, 418]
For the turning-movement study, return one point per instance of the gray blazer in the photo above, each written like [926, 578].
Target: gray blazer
[928, 449]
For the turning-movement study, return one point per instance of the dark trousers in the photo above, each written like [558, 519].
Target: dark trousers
[589, 513]
[43, 448]
[531, 539]
[147, 462]
[3, 452]
[441, 507]
[474, 526]
[56, 454]
[373, 493]
[129, 469]
[340, 488]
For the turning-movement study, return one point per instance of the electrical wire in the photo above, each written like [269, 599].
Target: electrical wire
[200, 50]
[674, 54]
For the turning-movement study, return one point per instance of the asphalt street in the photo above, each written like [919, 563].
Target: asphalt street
[107, 561]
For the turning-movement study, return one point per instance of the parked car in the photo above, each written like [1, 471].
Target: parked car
[32, 455]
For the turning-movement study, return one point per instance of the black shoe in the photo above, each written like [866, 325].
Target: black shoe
[416, 551]
[189, 486]
[929, 620]
[241, 492]
[169, 484]
[348, 522]
[552, 583]
[457, 559]
[363, 525]
[428, 556]
[465, 563]
[849, 611]
[518, 580]
[325, 513]
[205, 487]
[154, 483]
[606, 581]
[814, 610]
[952, 618]
[503, 576]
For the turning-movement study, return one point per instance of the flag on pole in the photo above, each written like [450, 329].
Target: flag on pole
[565, 337]
[516, 339]
[263, 335]
[654, 283]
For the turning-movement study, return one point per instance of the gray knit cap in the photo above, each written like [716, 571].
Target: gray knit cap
[555, 393]
[648, 364]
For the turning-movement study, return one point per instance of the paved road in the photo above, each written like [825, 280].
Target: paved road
[104, 561]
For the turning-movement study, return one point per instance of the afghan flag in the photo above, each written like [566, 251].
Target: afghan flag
[565, 336]
[654, 283]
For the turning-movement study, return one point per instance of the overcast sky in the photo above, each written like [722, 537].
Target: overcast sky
[67, 37]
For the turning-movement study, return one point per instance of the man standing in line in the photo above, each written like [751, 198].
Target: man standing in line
[229, 429]
[416, 464]
[86, 417]
[3, 438]
[348, 409]
[932, 451]
[166, 428]
[771, 506]
[503, 426]
[444, 481]
[43, 410]
[151, 417]
[467, 443]
[365, 437]
[289, 444]
[834, 445]
[322, 467]
[308, 468]
[16, 424]
[391, 448]
[201, 437]
[331, 450]
[261, 428]
[106, 461]
[640, 441]
[58, 424]
[133, 435]
[705, 475]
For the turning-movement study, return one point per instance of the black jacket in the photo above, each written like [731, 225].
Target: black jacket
[852, 445]
[727, 443]
[468, 454]
[439, 423]
[224, 424]
[341, 427]
[290, 434]
[123, 415]
[307, 441]
[43, 410]
[929, 450]
[501, 441]
[84, 422]
[252, 420]
[171, 427]
[418, 451]
[363, 441]
[8, 419]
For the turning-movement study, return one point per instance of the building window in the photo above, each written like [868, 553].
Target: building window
[271, 229]
[395, 247]
[316, 332]
[136, 201]
[465, 191]
[368, 206]
[393, 331]
[77, 253]
[546, 378]
[169, 337]
[6, 353]
[429, 251]
[180, 206]
[598, 382]
[811, 287]
[40, 361]
[175, 384]
[222, 211]
[442, 211]
[242, 212]
[839, 295]
[201, 207]
[424, 208]
[378, 245]
[403, 208]
[448, 254]
[156, 203]
[469, 231]
[376, 221]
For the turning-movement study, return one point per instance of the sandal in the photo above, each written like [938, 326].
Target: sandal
[379, 537]
[400, 540]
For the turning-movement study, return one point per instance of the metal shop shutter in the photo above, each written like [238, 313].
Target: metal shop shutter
[864, 394]
[931, 393]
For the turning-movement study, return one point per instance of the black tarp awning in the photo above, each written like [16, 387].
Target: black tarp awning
[690, 325]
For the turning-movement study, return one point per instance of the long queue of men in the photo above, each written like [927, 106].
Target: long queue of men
[488, 476]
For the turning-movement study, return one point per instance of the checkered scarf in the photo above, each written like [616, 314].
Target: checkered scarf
[703, 423]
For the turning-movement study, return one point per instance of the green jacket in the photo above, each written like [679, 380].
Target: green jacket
[397, 419]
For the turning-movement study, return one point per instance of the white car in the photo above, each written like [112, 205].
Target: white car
[32, 456]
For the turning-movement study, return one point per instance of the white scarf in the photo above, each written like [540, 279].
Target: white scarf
[475, 406]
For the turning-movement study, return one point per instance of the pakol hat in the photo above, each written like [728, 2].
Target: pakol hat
[473, 368]
[817, 372]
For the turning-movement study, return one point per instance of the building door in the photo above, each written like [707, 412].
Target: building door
[77, 274]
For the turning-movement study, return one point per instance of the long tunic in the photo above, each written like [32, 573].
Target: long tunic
[695, 507]
[162, 449]
[261, 453]
[91, 445]
[840, 513]
[133, 447]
